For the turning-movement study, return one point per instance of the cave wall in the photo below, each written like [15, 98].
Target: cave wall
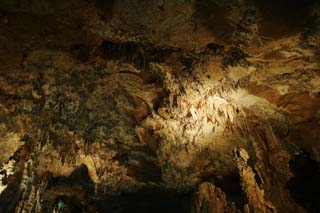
[105, 102]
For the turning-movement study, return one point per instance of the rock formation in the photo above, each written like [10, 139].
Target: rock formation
[159, 106]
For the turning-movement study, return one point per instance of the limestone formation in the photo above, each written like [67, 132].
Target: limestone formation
[159, 106]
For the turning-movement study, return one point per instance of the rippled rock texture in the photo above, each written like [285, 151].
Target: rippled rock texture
[159, 106]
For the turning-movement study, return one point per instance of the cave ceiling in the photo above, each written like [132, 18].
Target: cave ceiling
[159, 105]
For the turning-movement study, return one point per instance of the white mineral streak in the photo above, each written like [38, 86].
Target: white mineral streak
[6, 170]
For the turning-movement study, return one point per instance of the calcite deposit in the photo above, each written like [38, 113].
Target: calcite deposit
[195, 106]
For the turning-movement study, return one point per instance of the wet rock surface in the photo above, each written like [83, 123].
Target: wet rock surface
[159, 106]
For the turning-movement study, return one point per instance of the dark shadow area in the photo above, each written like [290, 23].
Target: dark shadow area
[146, 171]
[140, 54]
[145, 201]
[80, 176]
[305, 185]
[277, 18]
[230, 184]
[234, 57]
[78, 196]
[9, 198]
[213, 15]
[283, 17]
[70, 204]
[104, 8]
[126, 52]
[68, 194]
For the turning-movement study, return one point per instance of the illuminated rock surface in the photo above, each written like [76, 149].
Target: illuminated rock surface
[159, 106]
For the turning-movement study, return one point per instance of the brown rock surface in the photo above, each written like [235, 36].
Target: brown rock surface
[209, 199]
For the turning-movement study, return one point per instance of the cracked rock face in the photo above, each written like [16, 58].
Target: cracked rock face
[159, 106]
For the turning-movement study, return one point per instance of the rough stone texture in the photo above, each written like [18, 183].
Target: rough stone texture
[125, 106]
[209, 198]
[254, 194]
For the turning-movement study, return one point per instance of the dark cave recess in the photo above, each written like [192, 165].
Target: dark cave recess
[304, 186]
[142, 201]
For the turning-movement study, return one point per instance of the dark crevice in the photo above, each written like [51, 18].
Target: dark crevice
[257, 177]
[145, 201]
[215, 48]
[80, 176]
[130, 52]
[69, 204]
[305, 186]
[230, 184]
[235, 56]
[142, 54]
